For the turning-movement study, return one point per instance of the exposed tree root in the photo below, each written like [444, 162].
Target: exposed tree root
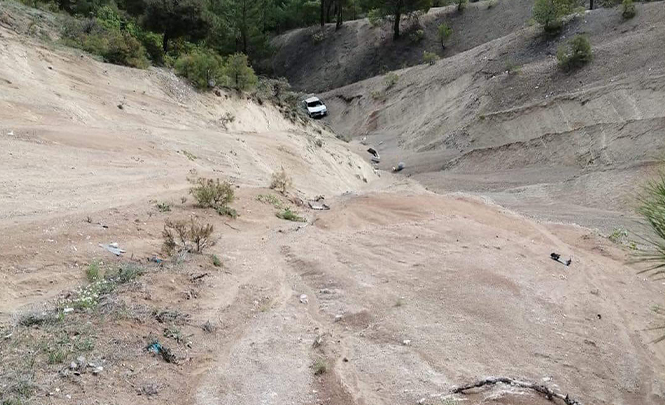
[541, 389]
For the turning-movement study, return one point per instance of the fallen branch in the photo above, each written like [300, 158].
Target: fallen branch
[541, 389]
[231, 226]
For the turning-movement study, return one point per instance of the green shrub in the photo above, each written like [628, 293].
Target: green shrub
[548, 13]
[374, 17]
[239, 74]
[289, 215]
[430, 58]
[492, 3]
[443, 32]
[126, 274]
[391, 79]
[92, 272]
[320, 367]
[652, 210]
[417, 36]
[461, 4]
[163, 207]
[269, 199]
[512, 68]
[202, 68]
[153, 46]
[210, 193]
[216, 262]
[576, 53]
[318, 37]
[113, 45]
[628, 10]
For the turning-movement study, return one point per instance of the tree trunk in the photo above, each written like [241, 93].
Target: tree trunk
[323, 14]
[339, 15]
[330, 6]
[243, 30]
[398, 15]
[165, 42]
[590, 4]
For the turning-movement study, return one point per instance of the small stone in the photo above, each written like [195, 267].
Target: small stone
[406, 342]
[97, 370]
[338, 317]
[303, 299]
[73, 365]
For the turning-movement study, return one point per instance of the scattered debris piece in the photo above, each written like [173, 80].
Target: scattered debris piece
[303, 299]
[149, 390]
[399, 167]
[375, 155]
[208, 327]
[67, 310]
[157, 348]
[318, 206]
[541, 389]
[170, 317]
[197, 277]
[406, 342]
[155, 259]
[318, 341]
[557, 257]
[113, 248]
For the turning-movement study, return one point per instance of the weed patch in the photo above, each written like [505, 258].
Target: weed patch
[281, 181]
[289, 215]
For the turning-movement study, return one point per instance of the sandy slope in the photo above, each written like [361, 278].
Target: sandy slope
[569, 147]
[410, 292]
[69, 151]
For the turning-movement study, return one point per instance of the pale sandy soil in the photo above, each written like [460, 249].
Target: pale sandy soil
[409, 293]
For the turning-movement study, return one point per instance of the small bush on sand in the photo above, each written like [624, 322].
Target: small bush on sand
[628, 9]
[281, 181]
[269, 199]
[289, 215]
[92, 272]
[652, 210]
[549, 13]
[492, 3]
[216, 262]
[576, 53]
[391, 79]
[443, 32]
[512, 68]
[202, 68]
[374, 17]
[320, 367]
[430, 58]
[115, 46]
[417, 36]
[216, 194]
[240, 75]
[181, 236]
[163, 207]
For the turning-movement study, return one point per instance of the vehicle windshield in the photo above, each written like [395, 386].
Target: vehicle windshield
[314, 103]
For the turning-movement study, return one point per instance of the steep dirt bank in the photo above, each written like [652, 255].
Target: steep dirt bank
[80, 137]
[533, 139]
[358, 51]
